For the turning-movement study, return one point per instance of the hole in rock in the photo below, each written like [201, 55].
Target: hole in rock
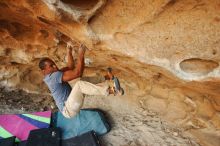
[5, 25]
[198, 66]
[82, 4]
[29, 47]
[14, 63]
[7, 51]
[14, 28]
[214, 52]
[44, 33]
[3, 5]
[44, 20]
[171, 2]
[20, 29]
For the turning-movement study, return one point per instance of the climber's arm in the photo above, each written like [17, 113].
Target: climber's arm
[70, 60]
[71, 74]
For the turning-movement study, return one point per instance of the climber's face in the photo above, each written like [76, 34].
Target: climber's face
[50, 67]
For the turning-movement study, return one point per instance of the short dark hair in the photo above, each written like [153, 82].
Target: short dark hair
[109, 69]
[42, 62]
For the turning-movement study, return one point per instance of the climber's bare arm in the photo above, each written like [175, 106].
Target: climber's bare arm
[70, 60]
[77, 72]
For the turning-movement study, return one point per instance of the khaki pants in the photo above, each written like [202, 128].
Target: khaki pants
[75, 100]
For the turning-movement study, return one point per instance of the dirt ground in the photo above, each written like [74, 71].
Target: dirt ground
[18, 101]
[138, 128]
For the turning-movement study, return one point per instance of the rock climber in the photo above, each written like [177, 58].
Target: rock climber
[69, 100]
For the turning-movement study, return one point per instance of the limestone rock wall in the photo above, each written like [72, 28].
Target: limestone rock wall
[165, 52]
[164, 33]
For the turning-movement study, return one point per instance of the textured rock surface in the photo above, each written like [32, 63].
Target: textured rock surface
[165, 52]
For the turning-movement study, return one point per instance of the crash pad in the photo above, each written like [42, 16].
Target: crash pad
[19, 125]
[84, 121]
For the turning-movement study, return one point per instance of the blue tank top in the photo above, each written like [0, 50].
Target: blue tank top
[60, 90]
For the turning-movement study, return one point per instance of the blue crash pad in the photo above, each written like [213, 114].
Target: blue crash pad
[84, 121]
